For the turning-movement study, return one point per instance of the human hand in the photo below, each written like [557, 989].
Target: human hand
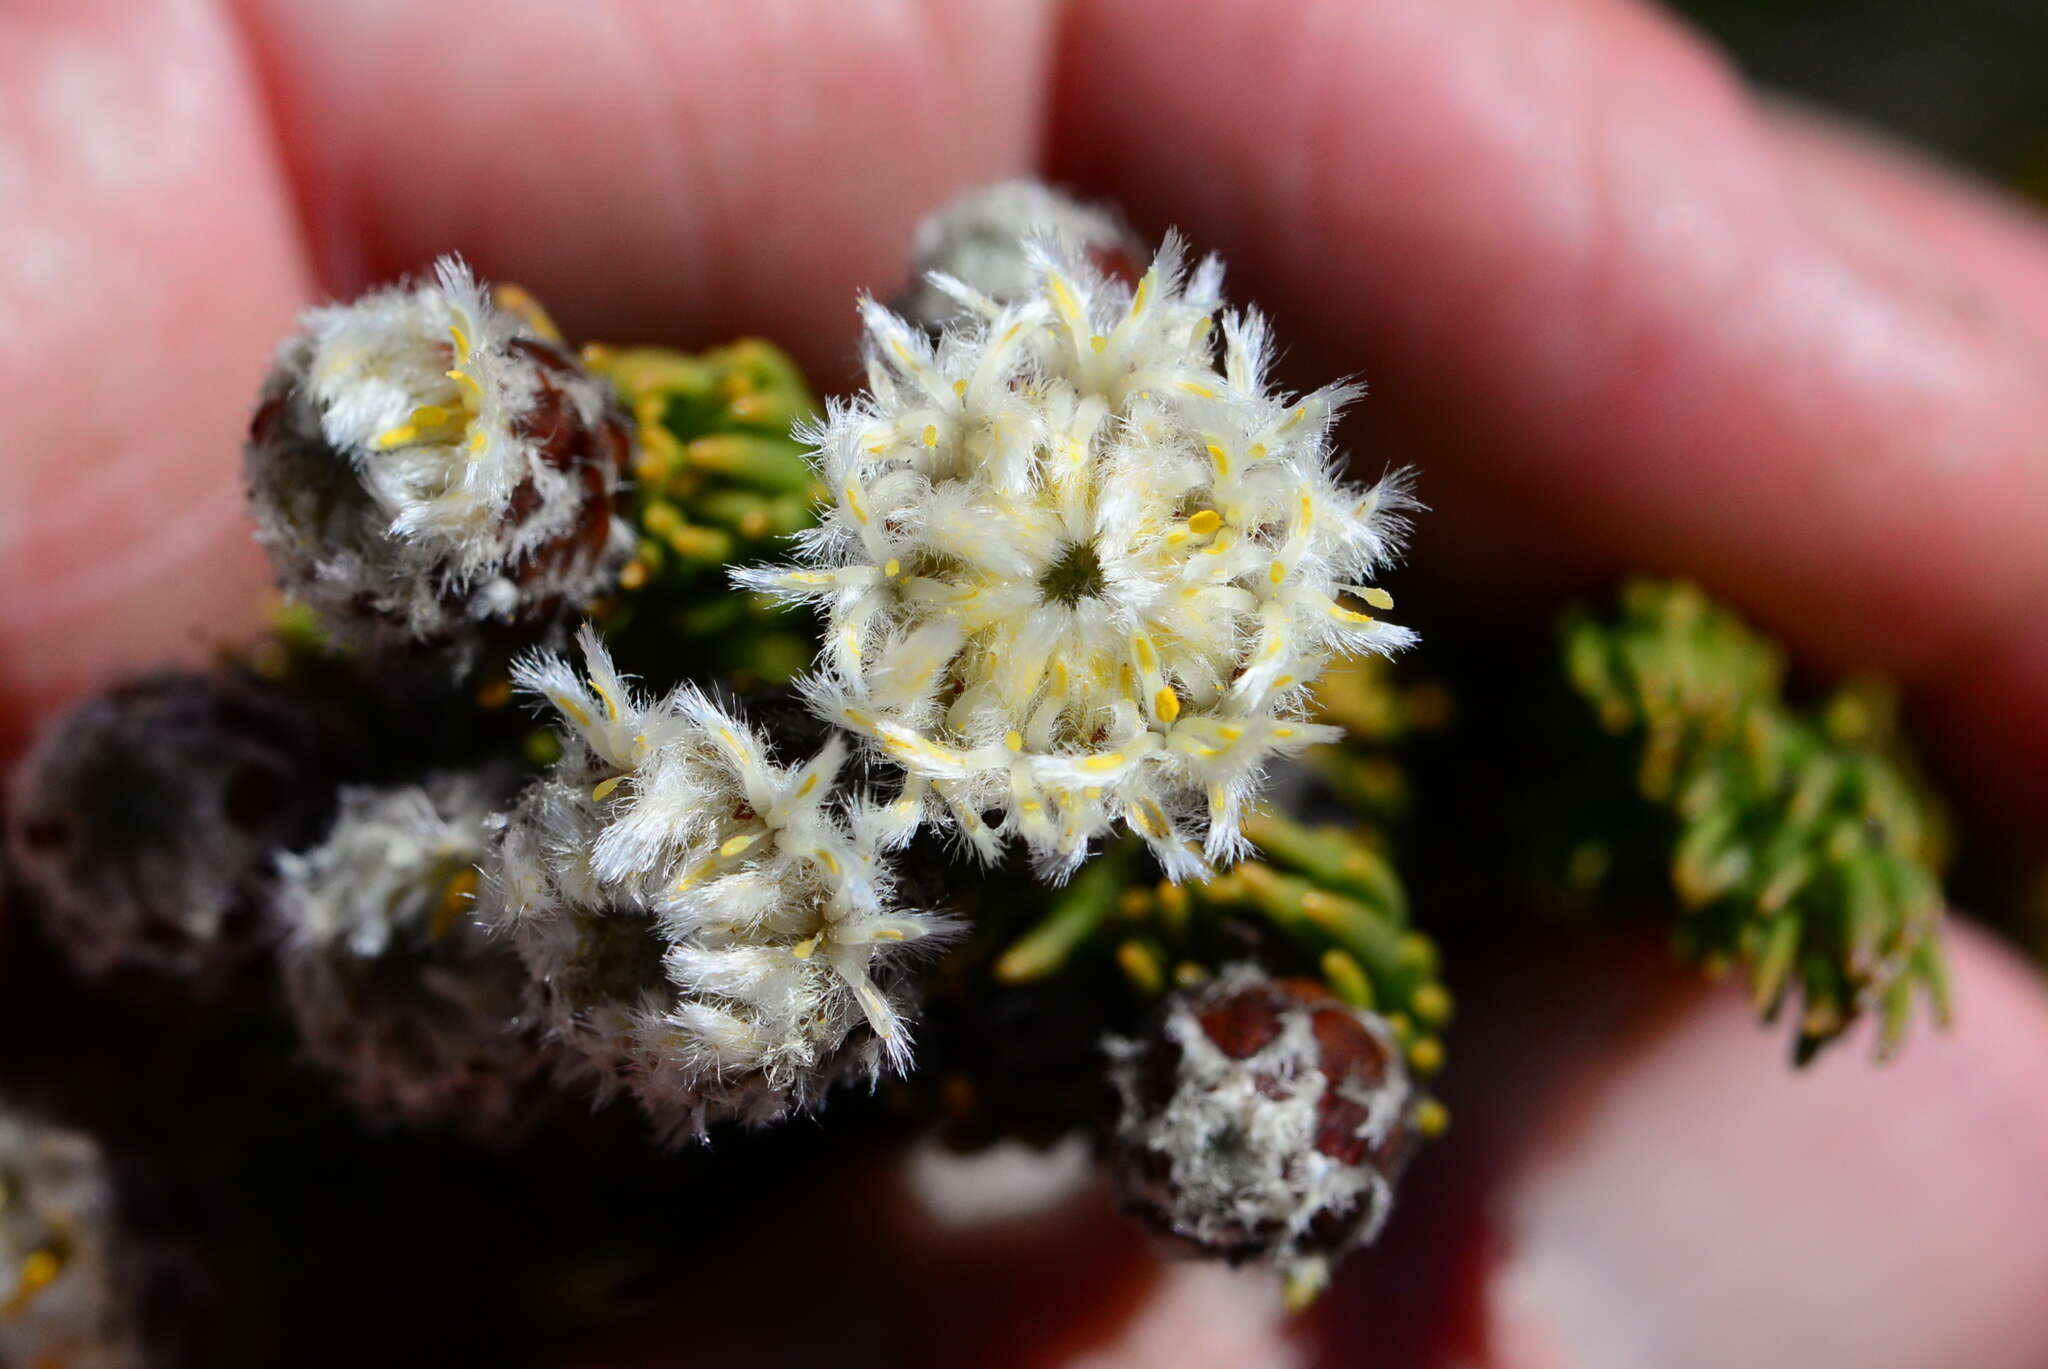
[1620, 316]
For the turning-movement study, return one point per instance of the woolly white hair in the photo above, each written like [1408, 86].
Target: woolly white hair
[394, 985]
[62, 1294]
[401, 471]
[707, 930]
[1083, 562]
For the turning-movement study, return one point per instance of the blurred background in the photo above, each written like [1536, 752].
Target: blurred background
[1966, 78]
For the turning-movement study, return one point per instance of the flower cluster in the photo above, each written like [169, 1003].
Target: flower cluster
[425, 464]
[1083, 562]
[64, 1298]
[394, 985]
[702, 927]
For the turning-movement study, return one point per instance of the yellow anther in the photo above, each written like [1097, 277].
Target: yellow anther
[1167, 705]
[39, 1269]
[1014, 740]
[1100, 763]
[1098, 342]
[573, 709]
[960, 386]
[1277, 572]
[1378, 598]
[803, 949]
[892, 568]
[1205, 522]
[396, 437]
[1202, 390]
[604, 789]
[931, 434]
[853, 504]
[732, 846]
[810, 783]
[1220, 457]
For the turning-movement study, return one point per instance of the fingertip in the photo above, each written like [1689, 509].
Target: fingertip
[147, 264]
[654, 172]
[1678, 1195]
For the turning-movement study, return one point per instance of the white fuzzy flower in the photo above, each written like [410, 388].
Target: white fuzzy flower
[423, 461]
[393, 984]
[64, 1291]
[1083, 562]
[710, 930]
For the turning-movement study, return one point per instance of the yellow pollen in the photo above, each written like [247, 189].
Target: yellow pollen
[960, 386]
[1167, 705]
[931, 434]
[1277, 572]
[892, 568]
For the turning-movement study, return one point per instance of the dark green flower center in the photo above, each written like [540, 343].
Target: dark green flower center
[1077, 575]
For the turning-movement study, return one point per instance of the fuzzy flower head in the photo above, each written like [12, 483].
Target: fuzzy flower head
[709, 930]
[395, 987]
[1083, 562]
[424, 459]
[64, 1295]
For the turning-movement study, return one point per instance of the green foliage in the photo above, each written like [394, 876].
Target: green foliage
[720, 481]
[1801, 845]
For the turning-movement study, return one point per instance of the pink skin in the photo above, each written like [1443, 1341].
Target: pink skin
[1622, 316]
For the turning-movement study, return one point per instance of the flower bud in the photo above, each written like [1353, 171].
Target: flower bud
[427, 466]
[1262, 1119]
[144, 823]
[395, 987]
[979, 238]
